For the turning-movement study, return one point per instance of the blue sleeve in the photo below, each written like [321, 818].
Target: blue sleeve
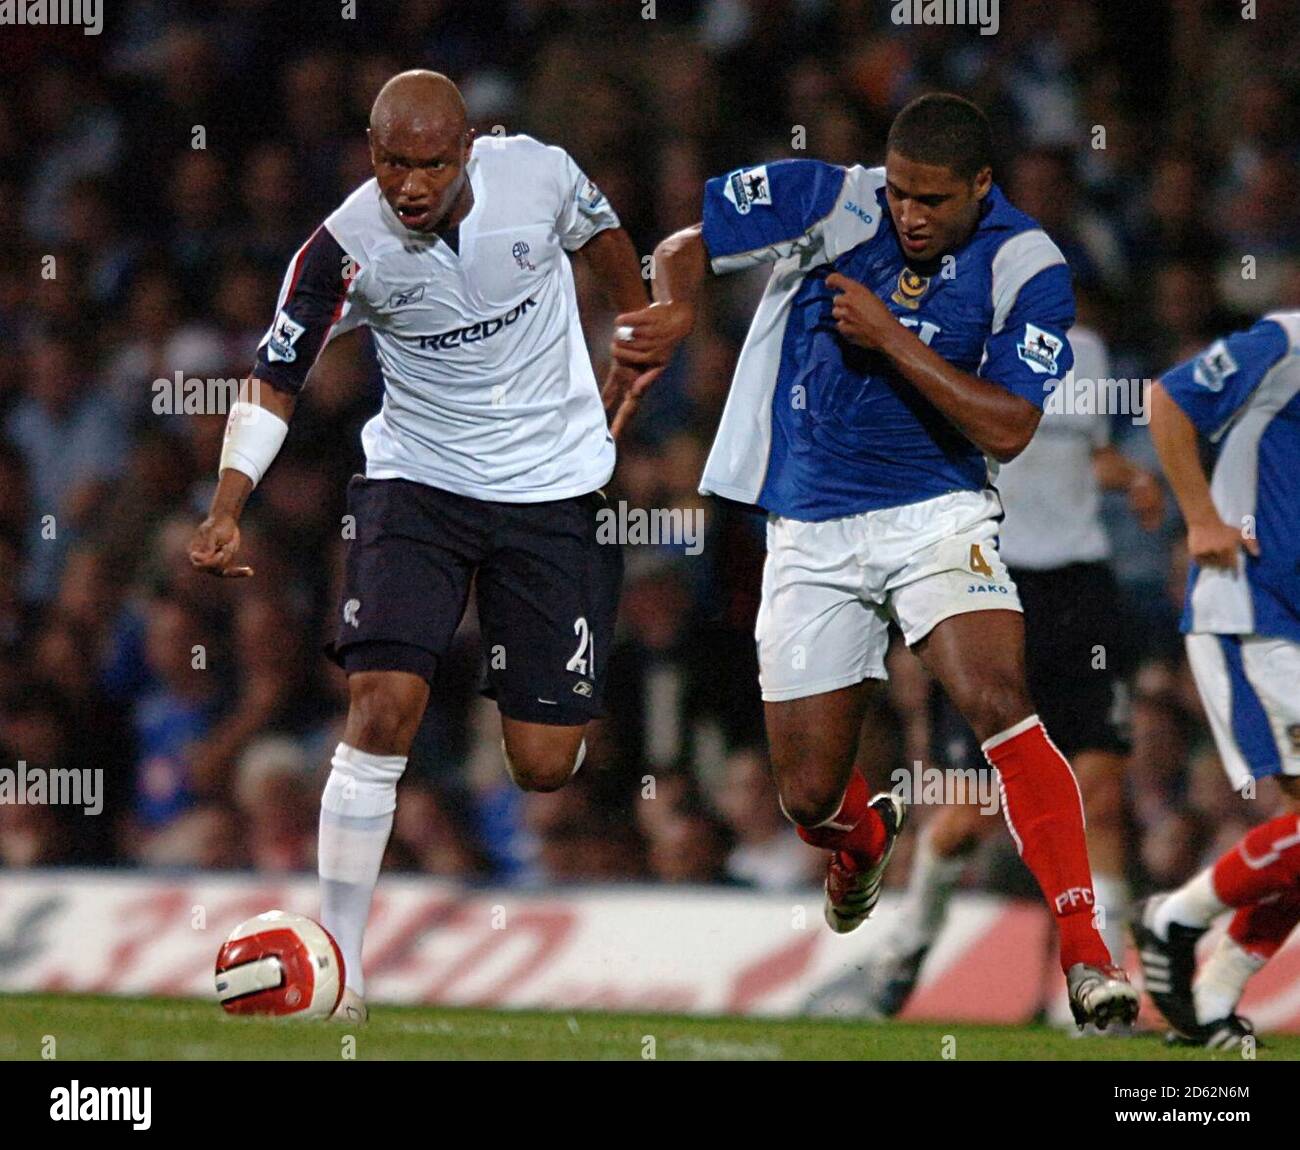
[1213, 387]
[763, 212]
[1031, 350]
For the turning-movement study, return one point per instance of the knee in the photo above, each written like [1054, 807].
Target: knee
[542, 765]
[808, 805]
[991, 708]
[811, 781]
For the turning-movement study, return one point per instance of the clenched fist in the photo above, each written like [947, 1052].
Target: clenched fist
[213, 547]
[860, 315]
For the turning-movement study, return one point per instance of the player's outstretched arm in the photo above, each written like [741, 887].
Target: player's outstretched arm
[999, 422]
[649, 336]
[612, 257]
[1210, 541]
[645, 339]
[615, 266]
[255, 429]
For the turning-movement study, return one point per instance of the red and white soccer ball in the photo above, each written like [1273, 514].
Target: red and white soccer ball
[280, 963]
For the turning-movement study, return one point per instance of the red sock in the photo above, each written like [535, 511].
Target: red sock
[1044, 813]
[1263, 928]
[856, 829]
[1266, 861]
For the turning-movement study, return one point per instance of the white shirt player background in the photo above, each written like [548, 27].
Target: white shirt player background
[488, 385]
[1050, 491]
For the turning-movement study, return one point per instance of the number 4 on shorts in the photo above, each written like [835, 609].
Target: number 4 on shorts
[978, 563]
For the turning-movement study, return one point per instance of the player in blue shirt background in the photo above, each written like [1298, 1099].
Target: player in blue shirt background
[1242, 622]
[912, 326]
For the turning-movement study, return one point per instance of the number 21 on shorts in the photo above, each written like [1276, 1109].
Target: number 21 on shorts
[585, 655]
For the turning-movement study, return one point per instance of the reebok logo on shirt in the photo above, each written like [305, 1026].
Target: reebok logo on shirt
[475, 332]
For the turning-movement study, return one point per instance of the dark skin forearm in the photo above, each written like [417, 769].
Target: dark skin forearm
[617, 269]
[994, 419]
[681, 265]
[216, 540]
[630, 375]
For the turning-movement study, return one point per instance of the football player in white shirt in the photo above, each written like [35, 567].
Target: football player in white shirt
[483, 466]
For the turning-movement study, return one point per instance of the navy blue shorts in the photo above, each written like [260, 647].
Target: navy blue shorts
[546, 590]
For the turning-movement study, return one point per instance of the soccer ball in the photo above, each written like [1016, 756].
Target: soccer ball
[280, 963]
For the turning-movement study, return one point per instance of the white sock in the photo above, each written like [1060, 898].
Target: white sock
[1111, 893]
[929, 890]
[1221, 981]
[356, 816]
[1193, 904]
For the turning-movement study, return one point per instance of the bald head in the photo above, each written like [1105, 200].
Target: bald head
[419, 146]
[421, 100]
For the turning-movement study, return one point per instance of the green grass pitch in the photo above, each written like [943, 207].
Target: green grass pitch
[98, 1028]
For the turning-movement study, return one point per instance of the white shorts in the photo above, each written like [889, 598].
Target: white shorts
[1250, 686]
[830, 589]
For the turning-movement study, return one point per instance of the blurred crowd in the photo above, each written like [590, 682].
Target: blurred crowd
[155, 180]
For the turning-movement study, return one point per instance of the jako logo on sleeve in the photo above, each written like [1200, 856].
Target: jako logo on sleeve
[77, 1103]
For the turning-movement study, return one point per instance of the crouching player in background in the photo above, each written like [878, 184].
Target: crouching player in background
[1242, 622]
[911, 323]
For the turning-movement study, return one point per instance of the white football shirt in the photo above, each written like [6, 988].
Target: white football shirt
[1050, 491]
[488, 386]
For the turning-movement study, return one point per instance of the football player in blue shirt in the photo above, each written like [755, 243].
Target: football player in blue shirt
[913, 325]
[1242, 622]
